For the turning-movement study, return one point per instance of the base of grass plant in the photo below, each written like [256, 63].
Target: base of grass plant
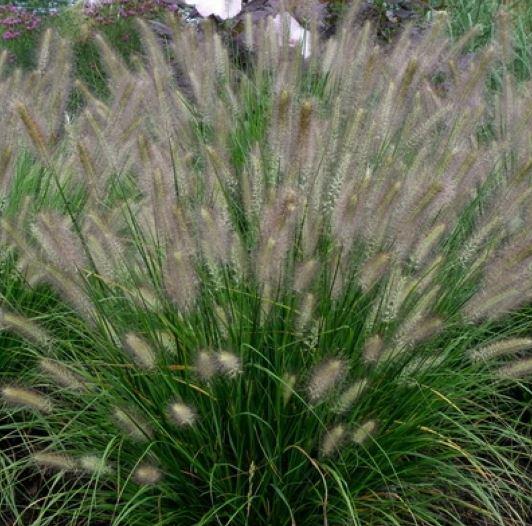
[443, 443]
[430, 437]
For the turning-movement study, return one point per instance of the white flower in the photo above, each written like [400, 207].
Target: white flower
[297, 35]
[223, 9]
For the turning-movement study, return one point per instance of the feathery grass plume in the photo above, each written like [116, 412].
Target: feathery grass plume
[32, 272]
[421, 331]
[55, 461]
[107, 250]
[6, 157]
[24, 327]
[306, 311]
[228, 363]
[216, 235]
[363, 432]
[252, 184]
[222, 321]
[518, 369]
[44, 51]
[145, 297]
[221, 60]
[182, 414]
[101, 259]
[63, 375]
[23, 397]
[181, 281]
[420, 318]
[72, 292]
[276, 232]
[249, 32]
[116, 69]
[372, 349]
[132, 424]
[159, 189]
[325, 377]
[206, 364]
[373, 270]
[345, 152]
[61, 246]
[492, 305]
[95, 464]
[304, 275]
[34, 131]
[420, 365]
[500, 348]
[89, 170]
[140, 350]
[507, 276]
[348, 397]
[147, 475]
[425, 277]
[427, 244]
[289, 383]
[279, 138]
[333, 440]
[303, 143]
[165, 340]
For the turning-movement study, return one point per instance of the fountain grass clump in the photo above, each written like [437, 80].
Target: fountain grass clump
[291, 291]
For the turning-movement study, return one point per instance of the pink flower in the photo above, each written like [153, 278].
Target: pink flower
[10, 35]
[297, 35]
[223, 9]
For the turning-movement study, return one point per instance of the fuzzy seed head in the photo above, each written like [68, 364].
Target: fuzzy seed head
[94, 464]
[206, 365]
[422, 331]
[426, 244]
[373, 270]
[182, 414]
[421, 365]
[62, 246]
[24, 327]
[147, 475]
[288, 387]
[325, 378]
[518, 369]
[333, 440]
[181, 280]
[229, 364]
[351, 395]
[306, 311]
[372, 349]
[305, 274]
[62, 375]
[55, 461]
[364, 432]
[140, 350]
[145, 297]
[500, 348]
[166, 340]
[133, 425]
[22, 397]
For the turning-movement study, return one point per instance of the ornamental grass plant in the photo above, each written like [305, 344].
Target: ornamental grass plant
[279, 291]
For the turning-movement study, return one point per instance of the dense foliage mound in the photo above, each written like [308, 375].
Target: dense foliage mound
[280, 290]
